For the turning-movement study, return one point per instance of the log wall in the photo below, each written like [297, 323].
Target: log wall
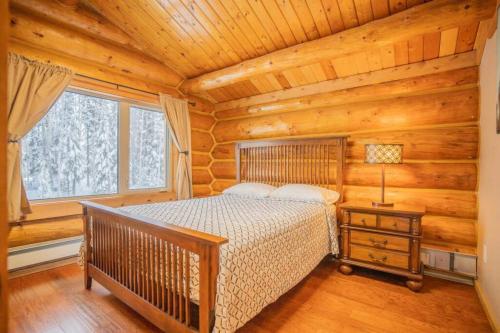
[434, 116]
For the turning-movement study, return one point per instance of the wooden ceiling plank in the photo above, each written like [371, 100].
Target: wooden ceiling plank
[438, 65]
[361, 62]
[292, 19]
[416, 49]
[344, 66]
[268, 24]
[219, 94]
[143, 34]
[374, 60]
[233, 50]
[282, 80]
[448, 42]
[401, 53]
[295, 77]
[279, 21]
[262, 84]
[218, 16]
[318, 72]
[380, 8]
[364, 11]
[168, 38]
[440, 15]
[348, 11]
[262, 46]
[306, 19]
[186, 23]
[328, 69]
[309, 74]
[275, 84]
[270, 35]
[333, 15]
[319, 17]
[466, 37]
[397, 6]
[431, 45]
[387, 56]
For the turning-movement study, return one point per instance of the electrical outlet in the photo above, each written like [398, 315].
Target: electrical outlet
[485, 254]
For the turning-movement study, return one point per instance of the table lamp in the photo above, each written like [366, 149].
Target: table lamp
[383, 154]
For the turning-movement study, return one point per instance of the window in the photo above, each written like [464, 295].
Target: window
[148, 149]
[93, 145]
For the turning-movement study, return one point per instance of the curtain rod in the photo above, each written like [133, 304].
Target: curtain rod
[121, 85]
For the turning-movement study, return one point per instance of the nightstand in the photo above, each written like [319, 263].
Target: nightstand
[383, 238]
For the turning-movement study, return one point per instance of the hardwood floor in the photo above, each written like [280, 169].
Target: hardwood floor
[326, 301]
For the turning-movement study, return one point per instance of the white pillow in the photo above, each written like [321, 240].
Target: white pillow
[303, 192]
[252, 190]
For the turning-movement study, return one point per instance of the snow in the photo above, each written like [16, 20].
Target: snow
[73, 150]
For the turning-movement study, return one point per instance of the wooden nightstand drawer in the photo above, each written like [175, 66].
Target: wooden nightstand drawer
[366, 220]
[379, 257]
[396, 223]
[380, 241]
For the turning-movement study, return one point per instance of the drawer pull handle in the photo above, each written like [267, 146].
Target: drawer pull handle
[395, 224]
[363, 221]
[379, 260]
[378, 243]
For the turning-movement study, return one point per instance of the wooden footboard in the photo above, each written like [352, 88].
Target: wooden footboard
[146, 264]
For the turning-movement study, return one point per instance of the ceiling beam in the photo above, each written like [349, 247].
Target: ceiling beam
[433, 16]
[76, 17]
[52, 37]
[264, 102]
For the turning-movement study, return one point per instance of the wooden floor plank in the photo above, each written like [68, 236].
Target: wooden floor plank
[326, 301]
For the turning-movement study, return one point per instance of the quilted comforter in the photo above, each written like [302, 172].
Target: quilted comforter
[273, 245]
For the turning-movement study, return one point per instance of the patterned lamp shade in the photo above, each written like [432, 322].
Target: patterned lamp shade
[384, 153]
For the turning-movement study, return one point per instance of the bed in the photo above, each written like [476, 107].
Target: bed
[214, 263]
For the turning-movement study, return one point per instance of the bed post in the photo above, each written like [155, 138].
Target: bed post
[341, 149]
[209, 269]
[87, 250]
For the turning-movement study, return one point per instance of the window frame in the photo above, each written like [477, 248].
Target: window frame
[124, 105]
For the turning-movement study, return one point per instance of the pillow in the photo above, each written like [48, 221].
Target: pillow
[252, 190]
[303, 192]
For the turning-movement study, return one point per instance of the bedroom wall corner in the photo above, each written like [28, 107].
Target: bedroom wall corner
[202, 144]
[489, 184]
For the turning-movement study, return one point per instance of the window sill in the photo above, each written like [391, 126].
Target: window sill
[57, 209]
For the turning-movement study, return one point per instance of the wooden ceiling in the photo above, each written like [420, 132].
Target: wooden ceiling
[430, 46]
[200, 36]
[231, 49]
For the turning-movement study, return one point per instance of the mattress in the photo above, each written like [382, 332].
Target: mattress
[273, 244]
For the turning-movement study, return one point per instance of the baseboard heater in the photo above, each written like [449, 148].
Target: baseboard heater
[27, 256]
[452, 266]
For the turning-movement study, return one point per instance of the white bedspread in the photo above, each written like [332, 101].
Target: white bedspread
[272, 246]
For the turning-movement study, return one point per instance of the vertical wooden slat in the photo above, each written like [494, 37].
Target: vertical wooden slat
[174, 279]
[181, 284]
[163, 276]
[188, 286]
[142, 272]
[156, 283]
[133, 254]
[169, 277]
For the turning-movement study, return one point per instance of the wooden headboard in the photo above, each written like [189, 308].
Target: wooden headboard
[315, 161]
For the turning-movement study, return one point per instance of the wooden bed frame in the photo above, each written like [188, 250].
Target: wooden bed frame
[146, 263]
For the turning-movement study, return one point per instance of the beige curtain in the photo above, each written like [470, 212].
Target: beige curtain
[177, 115]
[32, 89]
